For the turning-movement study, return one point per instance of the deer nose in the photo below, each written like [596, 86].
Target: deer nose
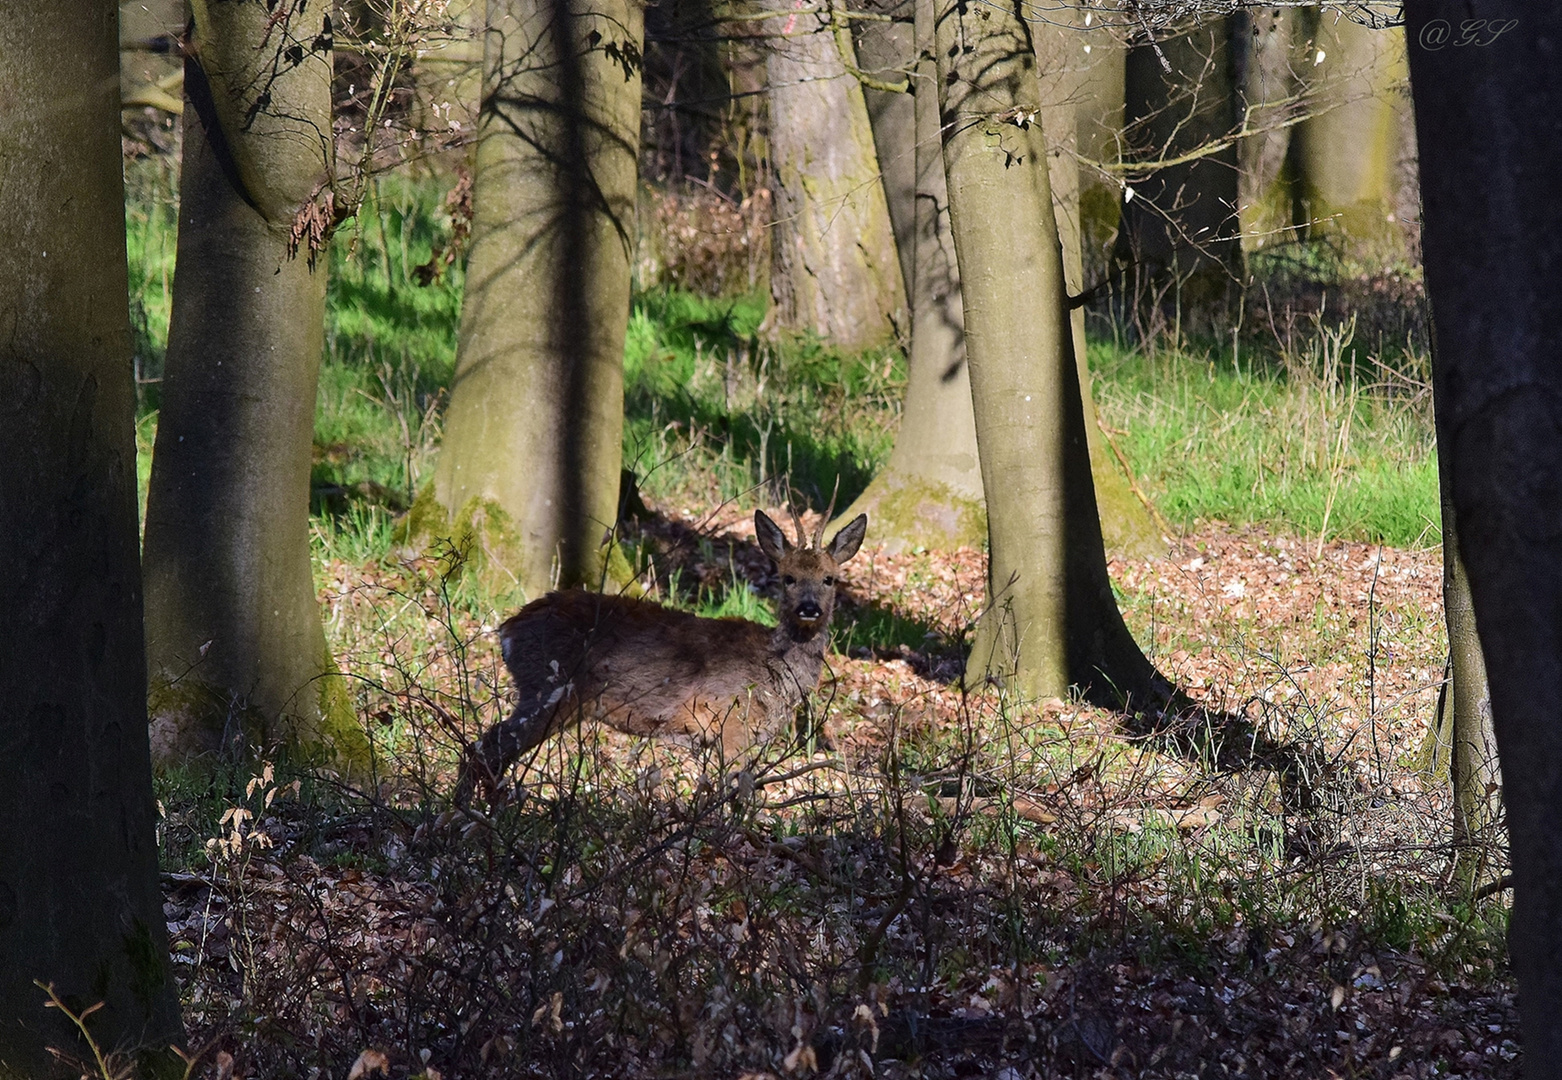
[809, 611]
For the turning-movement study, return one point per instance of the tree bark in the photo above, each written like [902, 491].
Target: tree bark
[1347, 150]
[1181, 223]
[1064, 71]
[835, 269]
[149, 31]
[1493, 278]
[448, 74]
[79, 900]
[235, 645]
[1051, 621]
[529, 475]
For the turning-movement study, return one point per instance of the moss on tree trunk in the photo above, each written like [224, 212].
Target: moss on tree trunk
[1346, 153]
[235, 644]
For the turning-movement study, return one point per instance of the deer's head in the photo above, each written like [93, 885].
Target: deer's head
[808, 570]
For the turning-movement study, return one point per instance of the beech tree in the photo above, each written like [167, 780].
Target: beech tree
[79, 901]
[1064, 69]
[234, 638]
[1347, 149]
[929, 492]
[1487, 89]
[1052, 621]
[529, 474]
[834, 269]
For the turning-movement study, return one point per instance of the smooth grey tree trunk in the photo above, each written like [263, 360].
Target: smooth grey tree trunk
[79, 900]
[235, 645]
[929, 493]
[1052, 621]
[835, 271]
[1064, 70]
[1347, 149]
[887, 53]
[1489, 126]
[528, 478]
[1465, 715]
[1266, 40]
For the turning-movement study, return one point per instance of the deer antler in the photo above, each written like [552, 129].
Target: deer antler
[828, 513]
[797, 523]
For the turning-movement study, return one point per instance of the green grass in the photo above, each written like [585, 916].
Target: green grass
[715, 410]
[1279, 445]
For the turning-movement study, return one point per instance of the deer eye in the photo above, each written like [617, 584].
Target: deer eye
[829, 581]
[788, 579]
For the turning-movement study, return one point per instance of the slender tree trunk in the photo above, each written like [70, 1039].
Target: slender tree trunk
[1052, 622]
[529, 474]
[836, 272]
[929, 493]
[1181, 221]
[1098, 121]
[448, 75]
[1464, 713]
[149, 67]
[1265, 41]
[235, 644]
[1493, 277]
[887, 53]
[1064, 70]
[1347, 151]
[79, 900]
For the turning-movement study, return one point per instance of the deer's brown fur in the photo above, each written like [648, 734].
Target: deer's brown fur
[650, 670]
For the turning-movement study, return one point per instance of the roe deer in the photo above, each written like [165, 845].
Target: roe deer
[649, 670]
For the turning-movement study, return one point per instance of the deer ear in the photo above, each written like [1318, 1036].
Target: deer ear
[772, 541]
[848, 540]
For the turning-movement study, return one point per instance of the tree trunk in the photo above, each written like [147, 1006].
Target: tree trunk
[1493, 278]
[448, 74]
[1180, 225]
[1464, 714]
[149, 68]
[887, 53]
[1098, 121]
[1347, 151]
[234, 639]
[79, 901]
[836, 272]
[1064, 70]
[929, 493]
[1265, 42]
[529, 474]
[1052, 622]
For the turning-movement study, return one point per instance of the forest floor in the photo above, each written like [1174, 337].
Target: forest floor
[935, 883]
[963, 886]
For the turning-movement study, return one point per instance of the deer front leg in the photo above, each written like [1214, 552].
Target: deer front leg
[486, 761]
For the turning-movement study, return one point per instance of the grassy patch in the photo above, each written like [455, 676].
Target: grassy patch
[1308, 447]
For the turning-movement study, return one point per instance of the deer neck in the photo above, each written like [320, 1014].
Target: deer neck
[803, 656]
